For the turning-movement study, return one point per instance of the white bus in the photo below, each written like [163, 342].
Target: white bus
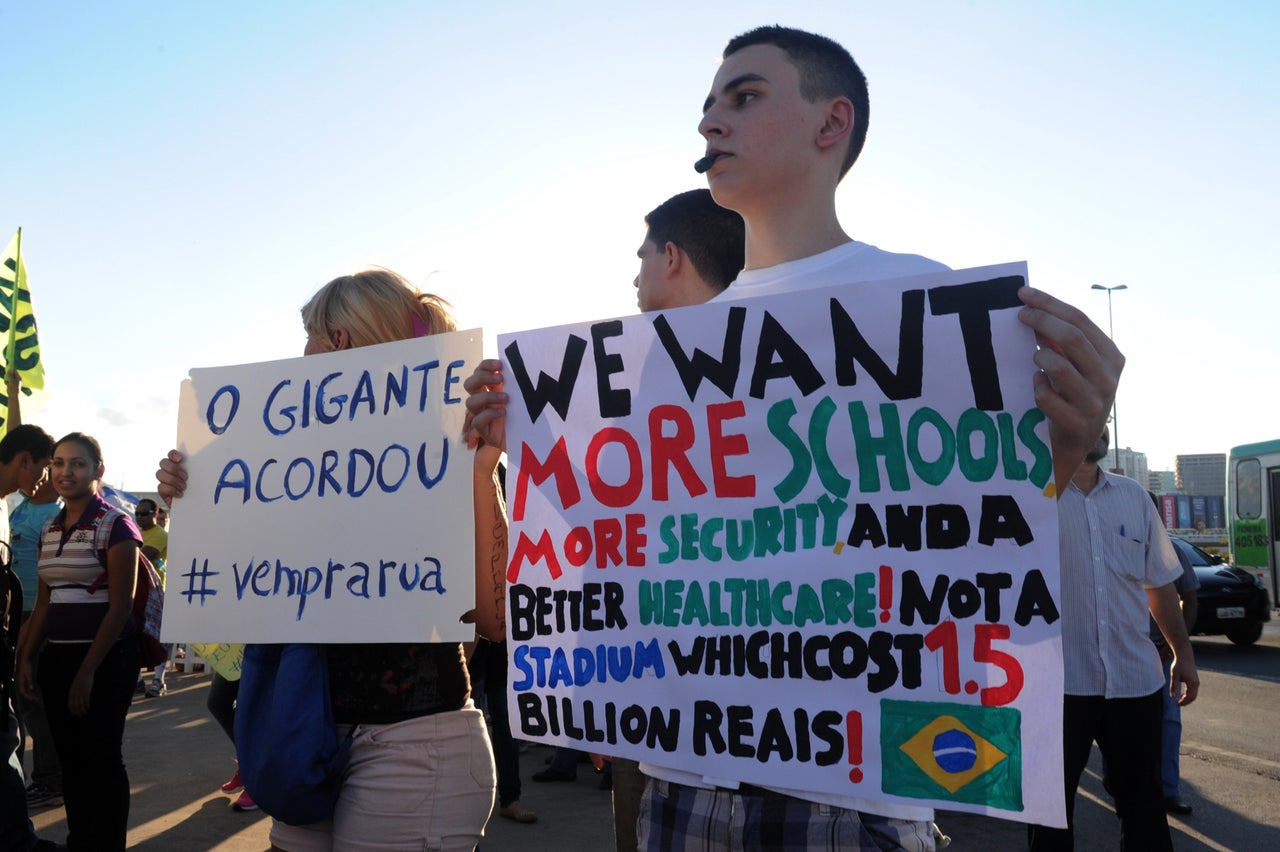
[1253, 510]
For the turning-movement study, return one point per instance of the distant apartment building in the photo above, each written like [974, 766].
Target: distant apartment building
[1131, 463]
[1204, 474]
[1162, 481]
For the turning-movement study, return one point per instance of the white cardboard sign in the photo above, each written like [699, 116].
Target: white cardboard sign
[329, 498]
[805, 541]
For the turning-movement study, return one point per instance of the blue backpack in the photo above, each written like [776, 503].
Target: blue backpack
[291, 758]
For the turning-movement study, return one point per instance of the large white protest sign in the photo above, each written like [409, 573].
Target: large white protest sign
[805, 541]
[329, 498]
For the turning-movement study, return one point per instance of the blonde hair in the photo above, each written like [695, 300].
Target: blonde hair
[374, 306]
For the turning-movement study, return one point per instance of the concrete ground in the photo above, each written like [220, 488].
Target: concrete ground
[177, 757]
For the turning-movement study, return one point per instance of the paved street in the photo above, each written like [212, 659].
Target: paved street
[177, 757]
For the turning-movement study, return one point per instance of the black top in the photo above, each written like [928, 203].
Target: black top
[383, 683]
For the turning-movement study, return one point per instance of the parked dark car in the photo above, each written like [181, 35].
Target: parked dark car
[1231, 601]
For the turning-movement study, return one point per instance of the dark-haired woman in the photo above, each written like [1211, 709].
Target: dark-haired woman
[88, 567]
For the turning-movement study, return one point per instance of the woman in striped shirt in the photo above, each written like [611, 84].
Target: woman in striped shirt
[90, 661]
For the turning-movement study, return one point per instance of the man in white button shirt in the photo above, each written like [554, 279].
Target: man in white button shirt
[1117, 563]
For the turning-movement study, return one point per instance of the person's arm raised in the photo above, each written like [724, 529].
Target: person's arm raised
[13, 388]
[485, 431]
[490, 614]
[486, 407]
[1079, 370]
[171, 478]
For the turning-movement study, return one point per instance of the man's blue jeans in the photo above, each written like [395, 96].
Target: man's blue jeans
[1171, 738]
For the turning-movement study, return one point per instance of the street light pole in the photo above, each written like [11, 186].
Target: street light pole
[1111, 332]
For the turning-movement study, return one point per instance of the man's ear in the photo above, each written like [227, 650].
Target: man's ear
[837, 123]
[675, 258]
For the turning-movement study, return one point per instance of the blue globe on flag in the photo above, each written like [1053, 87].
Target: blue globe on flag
[955, 751]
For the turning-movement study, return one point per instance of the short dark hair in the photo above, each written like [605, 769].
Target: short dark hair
[88, 442]
[26, 439]
[713, 237]
[826, 69]
[149, 502]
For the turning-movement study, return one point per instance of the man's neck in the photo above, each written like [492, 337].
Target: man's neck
[1087, 476]
[786, 232]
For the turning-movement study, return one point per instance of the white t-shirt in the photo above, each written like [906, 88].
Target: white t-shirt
[850, 263]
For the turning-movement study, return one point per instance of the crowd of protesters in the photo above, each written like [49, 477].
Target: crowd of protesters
[785, 119]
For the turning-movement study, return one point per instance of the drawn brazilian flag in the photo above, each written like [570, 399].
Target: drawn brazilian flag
[952, 752]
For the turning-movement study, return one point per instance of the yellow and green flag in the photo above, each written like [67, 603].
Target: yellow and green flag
[955, 752]
[17, 328]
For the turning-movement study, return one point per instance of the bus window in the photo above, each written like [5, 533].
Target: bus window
[1249, 489]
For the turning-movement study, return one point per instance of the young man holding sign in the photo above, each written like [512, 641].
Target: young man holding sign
[784, 121]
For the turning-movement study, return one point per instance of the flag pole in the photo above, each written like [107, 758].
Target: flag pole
[11, 348]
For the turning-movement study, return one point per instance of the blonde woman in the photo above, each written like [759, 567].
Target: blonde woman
[421, 773]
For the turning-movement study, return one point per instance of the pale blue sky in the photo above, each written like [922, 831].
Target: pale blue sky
[186, 175]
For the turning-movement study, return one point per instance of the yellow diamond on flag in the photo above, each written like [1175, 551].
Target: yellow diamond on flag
[950, 753]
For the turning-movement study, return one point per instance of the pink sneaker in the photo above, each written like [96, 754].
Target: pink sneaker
[244, 803]
[234, 784]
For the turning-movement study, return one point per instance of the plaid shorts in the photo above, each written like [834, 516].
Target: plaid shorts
[679, 818]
